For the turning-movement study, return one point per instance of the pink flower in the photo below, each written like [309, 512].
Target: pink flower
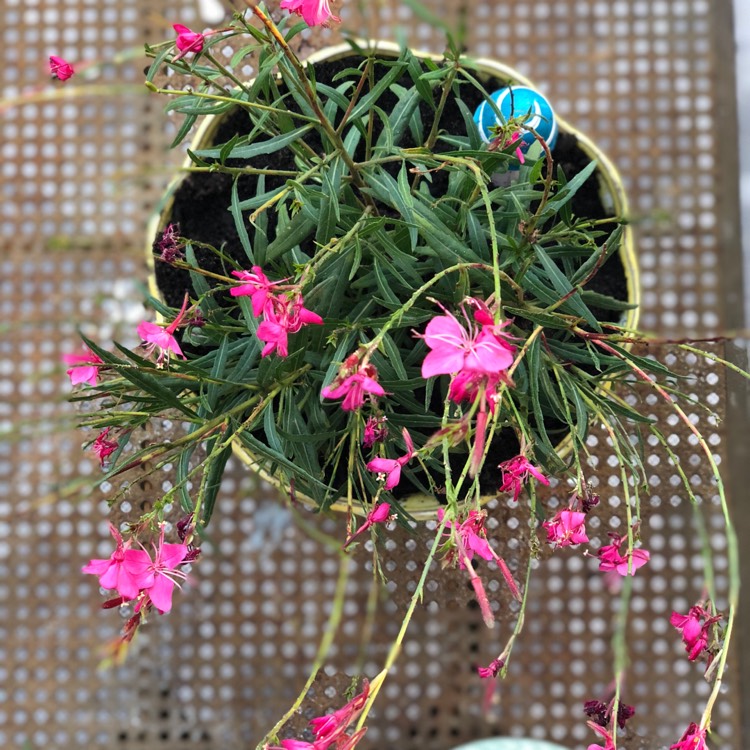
[162, 338]
[125, 571]
[467, 385]
[330, 730]
[314, 12]
[454, 350]
[381, 513]
[375, 431]
[610, 557]
[84, 367]
[255, 284]
[694, 628]
[297, 745]
[693, 739]
[283, 317]
[516, 471]
[391, 467]
[491, 670]
[471, 535]
[566, 528]
[609, 743]
[59, 68]
[188, 41]
[167, 557]
[354, 387]
[102, 447]
[331, 727]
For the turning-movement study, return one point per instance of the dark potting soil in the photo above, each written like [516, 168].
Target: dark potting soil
[201, 204]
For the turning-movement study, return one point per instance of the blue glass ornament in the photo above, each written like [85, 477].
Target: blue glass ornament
[518, 102]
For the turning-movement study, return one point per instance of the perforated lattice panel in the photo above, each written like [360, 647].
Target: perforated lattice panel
[84, 164]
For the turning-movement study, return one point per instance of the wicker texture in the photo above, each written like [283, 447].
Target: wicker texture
[82, 170]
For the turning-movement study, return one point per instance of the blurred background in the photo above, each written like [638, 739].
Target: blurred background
[655, 83]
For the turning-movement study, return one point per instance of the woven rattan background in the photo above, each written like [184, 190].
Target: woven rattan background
[82, 167]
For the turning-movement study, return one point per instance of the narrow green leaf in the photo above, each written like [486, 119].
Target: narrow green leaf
[239, 223]
[364, 105]
[212, 480]
[259, 148]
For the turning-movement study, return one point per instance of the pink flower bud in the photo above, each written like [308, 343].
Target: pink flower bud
[59, 68]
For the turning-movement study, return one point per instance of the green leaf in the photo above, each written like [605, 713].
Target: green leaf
[566, 193]
[548, 320]
[211, 483]
[534, 366]
[597, 258]
[298, 230]
[563, 287]
[364, 105]
[259, 148]
[394, 357]
[402, 113]
[239, 223]
[185, 128]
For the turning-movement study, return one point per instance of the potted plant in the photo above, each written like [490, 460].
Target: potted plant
[388, 316]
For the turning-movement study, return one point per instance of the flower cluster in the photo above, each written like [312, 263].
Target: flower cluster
[611, 558]
[281, 313]
[695, 628]
[331, 731]
[135, 575]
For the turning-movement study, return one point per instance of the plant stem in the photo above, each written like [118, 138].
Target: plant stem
[398, 314]
[334, 619]
[393, 653]
[310, 95]
[226, 72]
[228, 100]
[731, 536]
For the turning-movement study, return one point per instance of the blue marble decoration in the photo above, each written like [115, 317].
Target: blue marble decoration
[520, 102]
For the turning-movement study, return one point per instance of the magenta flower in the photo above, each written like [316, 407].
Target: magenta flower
[694, 628]
[314, 12]
[163, 339]
[353, 388]
[610, 557]
[516, 471]
[84, 367]
[566, 528]
[298, 745]
[59, 68]
[609, 743]
[103, 447]
[471, 535]
[491, 670]
[376, 431]
[330, 730]
[391, 467]
[257, 285]
[187, 40]
[125, 571]
[693, 739]
[282, 317]
[381, 513]
[167, 557]
[468, 385]
[455, 350]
